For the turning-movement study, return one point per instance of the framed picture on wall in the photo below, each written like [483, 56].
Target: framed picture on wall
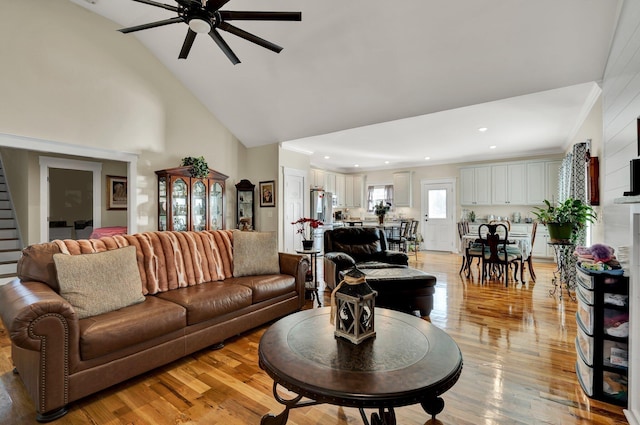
[116, 193]
[268, 193]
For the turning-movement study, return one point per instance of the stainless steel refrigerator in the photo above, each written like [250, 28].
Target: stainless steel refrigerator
[322, 206]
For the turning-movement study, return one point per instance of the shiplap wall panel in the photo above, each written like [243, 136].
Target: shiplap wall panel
[621, 109]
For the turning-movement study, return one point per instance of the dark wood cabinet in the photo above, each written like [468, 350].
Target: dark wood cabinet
[602, 339]
[245, 205]
[190, 203]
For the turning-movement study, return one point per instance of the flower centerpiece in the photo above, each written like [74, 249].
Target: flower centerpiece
[380, 209]
[305, 228]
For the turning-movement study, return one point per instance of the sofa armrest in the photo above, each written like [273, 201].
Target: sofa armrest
[23, 305]
[297, 266]
[393, 257]
[341, 260]
[44, 328]
[334, 263]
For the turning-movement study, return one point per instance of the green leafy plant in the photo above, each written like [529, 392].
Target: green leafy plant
[199, 166]
[572, 211]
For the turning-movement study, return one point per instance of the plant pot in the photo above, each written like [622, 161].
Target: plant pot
[307, 245]
[381, 219]
[560, 232]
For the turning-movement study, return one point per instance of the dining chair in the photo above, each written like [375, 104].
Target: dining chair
[496, 258]
[411, 237]
[397, 239]
[461, 233]
[532, 273]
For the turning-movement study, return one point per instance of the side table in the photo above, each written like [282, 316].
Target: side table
[565, 272]
[313, 257]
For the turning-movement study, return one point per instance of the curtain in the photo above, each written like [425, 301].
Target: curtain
[572, 183]
[388, 194]
[370, 198]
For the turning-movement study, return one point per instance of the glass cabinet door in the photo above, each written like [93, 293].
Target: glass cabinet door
[179, 205]
[198, 206]
[162, 203]
[244, 205]
[215, 206]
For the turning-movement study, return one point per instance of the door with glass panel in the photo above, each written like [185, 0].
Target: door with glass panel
[437, 225]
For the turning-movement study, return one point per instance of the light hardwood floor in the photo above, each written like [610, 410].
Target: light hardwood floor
[517, 344]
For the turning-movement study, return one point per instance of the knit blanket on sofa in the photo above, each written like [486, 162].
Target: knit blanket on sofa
[168, 260]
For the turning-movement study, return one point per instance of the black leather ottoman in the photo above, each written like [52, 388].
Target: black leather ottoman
[402, 288]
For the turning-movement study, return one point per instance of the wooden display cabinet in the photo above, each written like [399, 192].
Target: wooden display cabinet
[245, 205]
[189, 203]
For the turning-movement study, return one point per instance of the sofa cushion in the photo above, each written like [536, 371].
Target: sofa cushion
[255, 253]
[116, 330]
[100, 282]
[209, 300]
[266, 287]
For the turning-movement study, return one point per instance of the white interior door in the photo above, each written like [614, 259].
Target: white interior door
[293, 202]
[438, 229]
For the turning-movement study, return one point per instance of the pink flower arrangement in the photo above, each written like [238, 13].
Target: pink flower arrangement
[305, 225]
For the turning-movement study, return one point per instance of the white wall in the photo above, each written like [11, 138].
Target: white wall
[621, 108]
[68, 76]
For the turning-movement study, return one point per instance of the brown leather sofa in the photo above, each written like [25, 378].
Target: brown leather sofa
[61, 358]
[365, 247]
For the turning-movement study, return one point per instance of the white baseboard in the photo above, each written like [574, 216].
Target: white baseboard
[632, 417]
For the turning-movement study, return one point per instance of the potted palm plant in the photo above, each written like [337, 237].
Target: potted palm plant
[564, 219]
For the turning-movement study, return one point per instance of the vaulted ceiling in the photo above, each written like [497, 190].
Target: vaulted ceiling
[369, 81]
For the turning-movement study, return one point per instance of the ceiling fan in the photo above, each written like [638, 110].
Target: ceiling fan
[205, 16]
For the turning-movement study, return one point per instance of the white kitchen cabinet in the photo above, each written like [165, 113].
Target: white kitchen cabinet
[542, 177]
[475, 186]
[340, 191]
[330, 182]
[402, 189]
[552, 173]
[509, 184]
[317, 179]
[353, 191]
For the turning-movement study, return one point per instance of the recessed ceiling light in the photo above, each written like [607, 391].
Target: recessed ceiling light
[492, 147]
[355, 165]
[483, 129]
[327, 157]
[386, 162]
[427, 158]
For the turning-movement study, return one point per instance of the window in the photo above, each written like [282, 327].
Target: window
[377, 194]
[437, 203]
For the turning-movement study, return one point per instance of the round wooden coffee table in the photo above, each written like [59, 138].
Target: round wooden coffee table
[409, 361]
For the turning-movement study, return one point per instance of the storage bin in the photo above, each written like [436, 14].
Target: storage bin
[586, 294]
[615, 354]
[584, 346]
[584, 314]
[615, 385]
[584, 279]
[585, 377]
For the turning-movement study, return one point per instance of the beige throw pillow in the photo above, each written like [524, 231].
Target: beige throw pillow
[255, 253]
[100, 282]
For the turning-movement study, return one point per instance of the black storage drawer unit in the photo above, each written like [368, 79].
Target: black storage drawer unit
[603, 335]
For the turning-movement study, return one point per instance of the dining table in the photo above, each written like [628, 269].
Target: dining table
[521, 240]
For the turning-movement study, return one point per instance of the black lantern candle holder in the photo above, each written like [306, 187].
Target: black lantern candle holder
[354, 302]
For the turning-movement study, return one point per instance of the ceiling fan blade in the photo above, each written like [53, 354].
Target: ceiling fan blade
[151, 25]
[224, 46]
[250, 37]
[188, 42]
[213, 5]
[228, 15]
[156, 4]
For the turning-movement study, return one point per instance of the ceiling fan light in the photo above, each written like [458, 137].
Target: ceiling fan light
[199, 26]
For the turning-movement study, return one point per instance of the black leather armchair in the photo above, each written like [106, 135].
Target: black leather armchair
[365, 247]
